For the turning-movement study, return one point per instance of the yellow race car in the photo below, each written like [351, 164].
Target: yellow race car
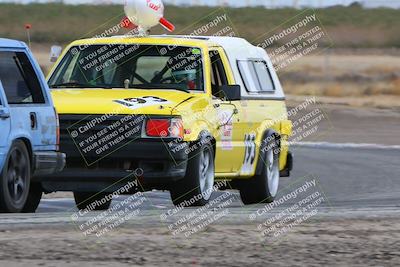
[175, 113]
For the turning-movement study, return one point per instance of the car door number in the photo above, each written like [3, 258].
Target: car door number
[250, 153]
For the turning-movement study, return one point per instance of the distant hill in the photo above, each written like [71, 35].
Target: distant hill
[347, 26]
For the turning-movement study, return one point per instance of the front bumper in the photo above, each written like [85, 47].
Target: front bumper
[152, 161]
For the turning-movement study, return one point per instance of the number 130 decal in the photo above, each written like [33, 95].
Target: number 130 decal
[249, 153]
[141, 102]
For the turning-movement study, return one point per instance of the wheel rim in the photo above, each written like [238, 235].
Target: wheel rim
[206, 173]
[272, 173]
[17, 174]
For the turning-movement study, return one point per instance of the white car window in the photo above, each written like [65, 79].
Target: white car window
[256, 76]
[264, 76]
[249, 76]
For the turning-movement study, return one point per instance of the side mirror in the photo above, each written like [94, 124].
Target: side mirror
[231, 92]
[55, 53]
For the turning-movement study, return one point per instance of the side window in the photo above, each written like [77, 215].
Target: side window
[264, 76]
[256, 76]
[20, 83]
[218, 75]
[249, 76]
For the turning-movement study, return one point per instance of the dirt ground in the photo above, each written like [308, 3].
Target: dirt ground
[334, 242]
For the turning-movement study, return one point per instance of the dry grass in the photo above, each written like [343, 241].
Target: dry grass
[381, 69]
[333, 90]
[395, 90]
[344, 75]
[336, 89]
[391, 102]
[335, 63]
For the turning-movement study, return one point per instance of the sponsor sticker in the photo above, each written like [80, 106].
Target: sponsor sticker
[141, 102]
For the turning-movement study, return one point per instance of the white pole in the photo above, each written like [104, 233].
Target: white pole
[29, 38]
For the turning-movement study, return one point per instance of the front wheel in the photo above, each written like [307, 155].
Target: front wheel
[15, 179]
[264, 187]
[196, 187]
[92, 201]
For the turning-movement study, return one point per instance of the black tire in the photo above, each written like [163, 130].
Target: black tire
[34, 197]
[256, 190]
[15, 179]
[191, 191]
[92, 201]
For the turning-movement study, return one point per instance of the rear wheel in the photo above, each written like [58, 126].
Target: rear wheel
[34, 197]
[264, 187]
[15, 179]
[92, 201]
[196, 187]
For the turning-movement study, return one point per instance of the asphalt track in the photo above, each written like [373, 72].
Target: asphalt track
[353, 180]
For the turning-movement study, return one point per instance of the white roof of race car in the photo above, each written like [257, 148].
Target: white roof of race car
[239, 49]
[224, 41]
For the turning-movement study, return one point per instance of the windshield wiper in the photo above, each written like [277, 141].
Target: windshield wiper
[77, 85]
[157, 87]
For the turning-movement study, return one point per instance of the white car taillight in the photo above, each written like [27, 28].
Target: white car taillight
[176, 128]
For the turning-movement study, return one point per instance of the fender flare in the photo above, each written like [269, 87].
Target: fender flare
[203, 135]
[268, 135]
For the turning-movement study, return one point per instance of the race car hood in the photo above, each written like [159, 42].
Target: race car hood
[121, 101]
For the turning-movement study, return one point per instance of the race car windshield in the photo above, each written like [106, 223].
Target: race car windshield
[130, 66]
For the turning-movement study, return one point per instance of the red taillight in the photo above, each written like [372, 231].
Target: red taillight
[165, 128]
[157, 127]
